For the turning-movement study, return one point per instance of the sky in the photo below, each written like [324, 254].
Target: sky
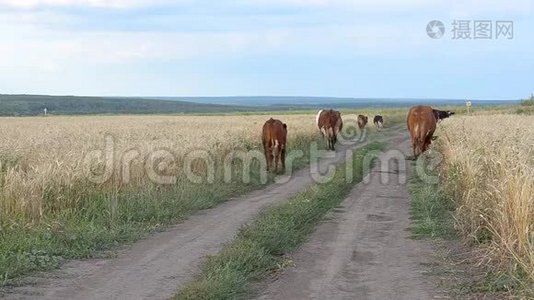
[337, 48]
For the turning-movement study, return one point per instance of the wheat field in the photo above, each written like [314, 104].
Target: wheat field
[489, 172]
[58, 157]
[71, 186]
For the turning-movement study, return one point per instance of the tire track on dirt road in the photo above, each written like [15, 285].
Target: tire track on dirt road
[363, 250]
[155, 267]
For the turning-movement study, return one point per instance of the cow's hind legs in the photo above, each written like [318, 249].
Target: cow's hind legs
[333, 142]
[414, 148]
[276, 160]
[283, 159]
[269, 158]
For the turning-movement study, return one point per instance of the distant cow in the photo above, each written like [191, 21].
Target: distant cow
[362, 121]
[274, 138]
[421, 124]
[442, 114]
[330, 124]
[378, 120]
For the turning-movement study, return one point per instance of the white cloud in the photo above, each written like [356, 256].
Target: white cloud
[27, 45]
[26, 40]
[51, 50]
[357, 4]
[28, 4]
[385, 6]
[521, 6]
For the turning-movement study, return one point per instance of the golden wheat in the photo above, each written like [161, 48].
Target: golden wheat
[54, 158]
[43, 155]
[490, 173]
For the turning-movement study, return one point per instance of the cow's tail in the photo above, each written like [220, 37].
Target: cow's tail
[330, 132]
[276, 145]
[269, 141]
[418, 138]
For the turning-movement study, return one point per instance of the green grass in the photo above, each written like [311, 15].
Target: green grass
[431, 210]
[104, 220]
[259, 248]
[103, 223]
[432, 218]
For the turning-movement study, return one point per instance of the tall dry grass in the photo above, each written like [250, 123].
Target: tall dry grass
[490, 173]
[46, 160]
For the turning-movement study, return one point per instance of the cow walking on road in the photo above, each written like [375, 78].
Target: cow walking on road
[421, 123]
[362, 121]
[330, 124]
[274, 137]
[378, 120]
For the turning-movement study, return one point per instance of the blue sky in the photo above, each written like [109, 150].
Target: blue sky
[359, 48]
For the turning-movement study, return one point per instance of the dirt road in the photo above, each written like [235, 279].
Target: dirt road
[155, 267]
[363, 249]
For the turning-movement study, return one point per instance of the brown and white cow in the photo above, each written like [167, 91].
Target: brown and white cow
[362, 121]
[378, 120]
[330, 124]
[274, 137]
[421, 123]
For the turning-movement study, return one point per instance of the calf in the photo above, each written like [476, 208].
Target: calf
[362, 121]
[378, 120]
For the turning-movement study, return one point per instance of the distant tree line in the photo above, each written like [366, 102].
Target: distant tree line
[32, 105]
[528, 102]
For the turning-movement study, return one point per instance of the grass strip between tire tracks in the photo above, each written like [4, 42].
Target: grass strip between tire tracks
[259, 248]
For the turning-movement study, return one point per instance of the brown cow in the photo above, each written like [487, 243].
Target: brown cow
[421, 124]
[362, 121]
[274, 143]
[330, 124]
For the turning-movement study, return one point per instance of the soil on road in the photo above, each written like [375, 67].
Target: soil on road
[363, 250]
[154, 268]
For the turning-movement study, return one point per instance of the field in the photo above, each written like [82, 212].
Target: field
[41, 154]
[87, 181]
[70, 186]
[489, 174]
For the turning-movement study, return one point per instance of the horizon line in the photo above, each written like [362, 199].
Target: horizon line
[267, 96]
